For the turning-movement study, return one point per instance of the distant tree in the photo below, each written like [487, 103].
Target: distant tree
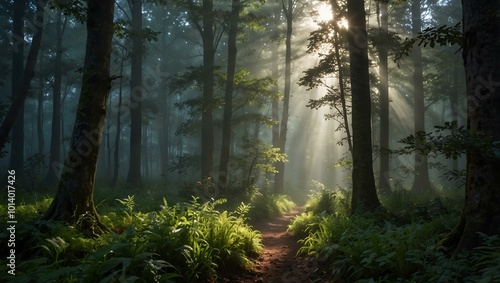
[116, 153]
[228, 94]
[136, 96]
[383, 180]
[421, 180]
[17, 138]
[332, 36]
[364, 193]
[207, 124]
[481, 54]
[290, 11]
[74, 199]
[21, 93]
[55, 141]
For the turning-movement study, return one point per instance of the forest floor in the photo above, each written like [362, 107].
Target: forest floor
[279, 261]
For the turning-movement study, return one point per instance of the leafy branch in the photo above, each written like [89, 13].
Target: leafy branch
[443, 35]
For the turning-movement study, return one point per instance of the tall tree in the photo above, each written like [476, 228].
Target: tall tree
[228, 95]
[421, 180]
[74, 197]
[17, 138]
[364, 194]
[207, 124]
[23, 90]
[39, 120]
[289, 12]
[481, 54]
[55, 141]
[383, 181]
[116, 153]
[134, 171]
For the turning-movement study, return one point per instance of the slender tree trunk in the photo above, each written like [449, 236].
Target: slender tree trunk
[116, 154]
[22, 92]
[481, 212]
[338, 58]
[134, 171]
[207, 124]
[17, 138]
[55, 140]
[39, 123]
[164, 131]
[364, 193]
[145, 152]
[275, 129]
[279, 178]
[74, 200]
[383, 180]
[228, 96]
[421, 180]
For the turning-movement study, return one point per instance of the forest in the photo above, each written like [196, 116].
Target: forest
[250, 141]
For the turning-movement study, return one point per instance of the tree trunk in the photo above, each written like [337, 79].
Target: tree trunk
[279, 178]
[39, 120]
[55, 140]
[421, 180]
[164, 131]
[228, 96]
[207, 124]
[22, 92]
[364, 194]
[275, 129]
[74, 200]
[17, 138]
[134, 171]
[116, 153]
[481, 211]
[383, 181]
[336, 44]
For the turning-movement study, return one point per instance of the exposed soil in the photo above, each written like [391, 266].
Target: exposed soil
[278, 262]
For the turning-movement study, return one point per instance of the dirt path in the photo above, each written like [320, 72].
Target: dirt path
[278, 261]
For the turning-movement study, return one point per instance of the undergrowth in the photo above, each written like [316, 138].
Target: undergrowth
[265, 206]
[185, 242]
[371, 248]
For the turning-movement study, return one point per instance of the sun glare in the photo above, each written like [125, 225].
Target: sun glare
[323, 12]
[343, 23]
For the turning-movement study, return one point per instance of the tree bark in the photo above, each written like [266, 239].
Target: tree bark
[207, 124]
[134, 171]
[116, 153]
[228, 96]
[74, 198]
[39, 123]
[336, 44]
[383, 180]
[364, 194]
[17, 138]
[55, 140]
[275, 129]
[421, 180]
[279, 178]
[22, 92]
[481, 212]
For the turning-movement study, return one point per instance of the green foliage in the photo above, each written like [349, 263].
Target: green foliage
[265, 206]
[442, 35]
[329, 201]
[186, 242]
[451, 140]
[256, 160]
[399, 248]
